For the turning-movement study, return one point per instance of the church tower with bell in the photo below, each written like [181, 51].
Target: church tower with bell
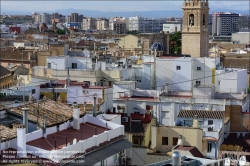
[195, 32]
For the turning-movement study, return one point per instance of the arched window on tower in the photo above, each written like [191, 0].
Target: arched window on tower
[191, 20]
[204, 19]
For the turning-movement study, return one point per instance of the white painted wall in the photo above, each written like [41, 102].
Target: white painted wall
[57, 62]
[231, 80]
[166, 72]
[75, 94]
[61, 62]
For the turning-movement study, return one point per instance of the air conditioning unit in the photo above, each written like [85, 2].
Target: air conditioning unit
[84, 91]
[124, 119]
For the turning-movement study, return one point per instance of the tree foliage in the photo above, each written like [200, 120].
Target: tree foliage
[175, 43]
[60, 31]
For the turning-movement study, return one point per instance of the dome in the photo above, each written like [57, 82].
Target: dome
[157, 46]
[43, 25]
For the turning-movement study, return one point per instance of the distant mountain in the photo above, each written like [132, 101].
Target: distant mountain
[148, 14]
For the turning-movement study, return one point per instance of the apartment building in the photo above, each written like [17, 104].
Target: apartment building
[118, 25]
[17, 19]
[88, 23]
[225, 23]
[74, 17]
[102, 24]
[244, 21]
[146, 25]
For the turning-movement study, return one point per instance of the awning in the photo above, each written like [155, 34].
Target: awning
[102, 154]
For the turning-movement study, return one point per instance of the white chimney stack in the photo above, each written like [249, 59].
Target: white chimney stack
[21, 141]
[76, 115]
[180, 140]
[166, 88]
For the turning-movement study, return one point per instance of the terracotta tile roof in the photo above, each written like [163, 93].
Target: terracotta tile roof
[56, 112]
[4, 71]
[7, 133]
[137, 128]
[202, 114]
[192, 149]
[16, 54]
[209, 138]
[233, 140]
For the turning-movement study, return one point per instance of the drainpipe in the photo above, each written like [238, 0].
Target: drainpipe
[94, 109]
[44, 126]
[25, 118]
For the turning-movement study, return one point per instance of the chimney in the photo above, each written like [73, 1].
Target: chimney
[76, 112]
[94, 108]
[21, 140]
[25, 118]
[44, 126]
[195, 122]
[176, 158]
[180, 140]
[166, 88]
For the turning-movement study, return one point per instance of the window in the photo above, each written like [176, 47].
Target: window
[175, 141]
[49, 65]
[165, 114]
[209, 147]
[188, 123]
[219, 83]
[198, 68]
[74, 65]
[178, 67]
[33, 91]
[164, 140]
[210, 123]
[198, 82]
[136, 141]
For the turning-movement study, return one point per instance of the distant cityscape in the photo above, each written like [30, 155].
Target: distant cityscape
[220, 23]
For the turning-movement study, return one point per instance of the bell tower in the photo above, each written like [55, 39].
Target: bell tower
[195, 32]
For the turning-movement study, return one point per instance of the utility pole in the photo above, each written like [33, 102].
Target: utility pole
[155, 69]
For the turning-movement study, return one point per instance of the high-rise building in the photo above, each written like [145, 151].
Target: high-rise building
[68, 18]
[225, 23]
[74, 17]
[88, 23]
[195, 28]
[45, 18]
[54, 16]
[244, 21]
[146, 25]
[118, 24]
[102, 24]
[80, 17]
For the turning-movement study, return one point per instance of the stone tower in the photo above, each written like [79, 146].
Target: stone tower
[195, 33]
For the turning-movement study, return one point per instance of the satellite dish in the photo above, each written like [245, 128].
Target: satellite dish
[242, 161]
[227, 162]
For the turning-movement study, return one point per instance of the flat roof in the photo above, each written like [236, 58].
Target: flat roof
[123, 82]
[58, 140]
[138, 98]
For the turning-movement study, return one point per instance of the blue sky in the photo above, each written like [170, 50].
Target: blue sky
[115, 5]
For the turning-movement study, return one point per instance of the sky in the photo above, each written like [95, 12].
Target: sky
[114, 5]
